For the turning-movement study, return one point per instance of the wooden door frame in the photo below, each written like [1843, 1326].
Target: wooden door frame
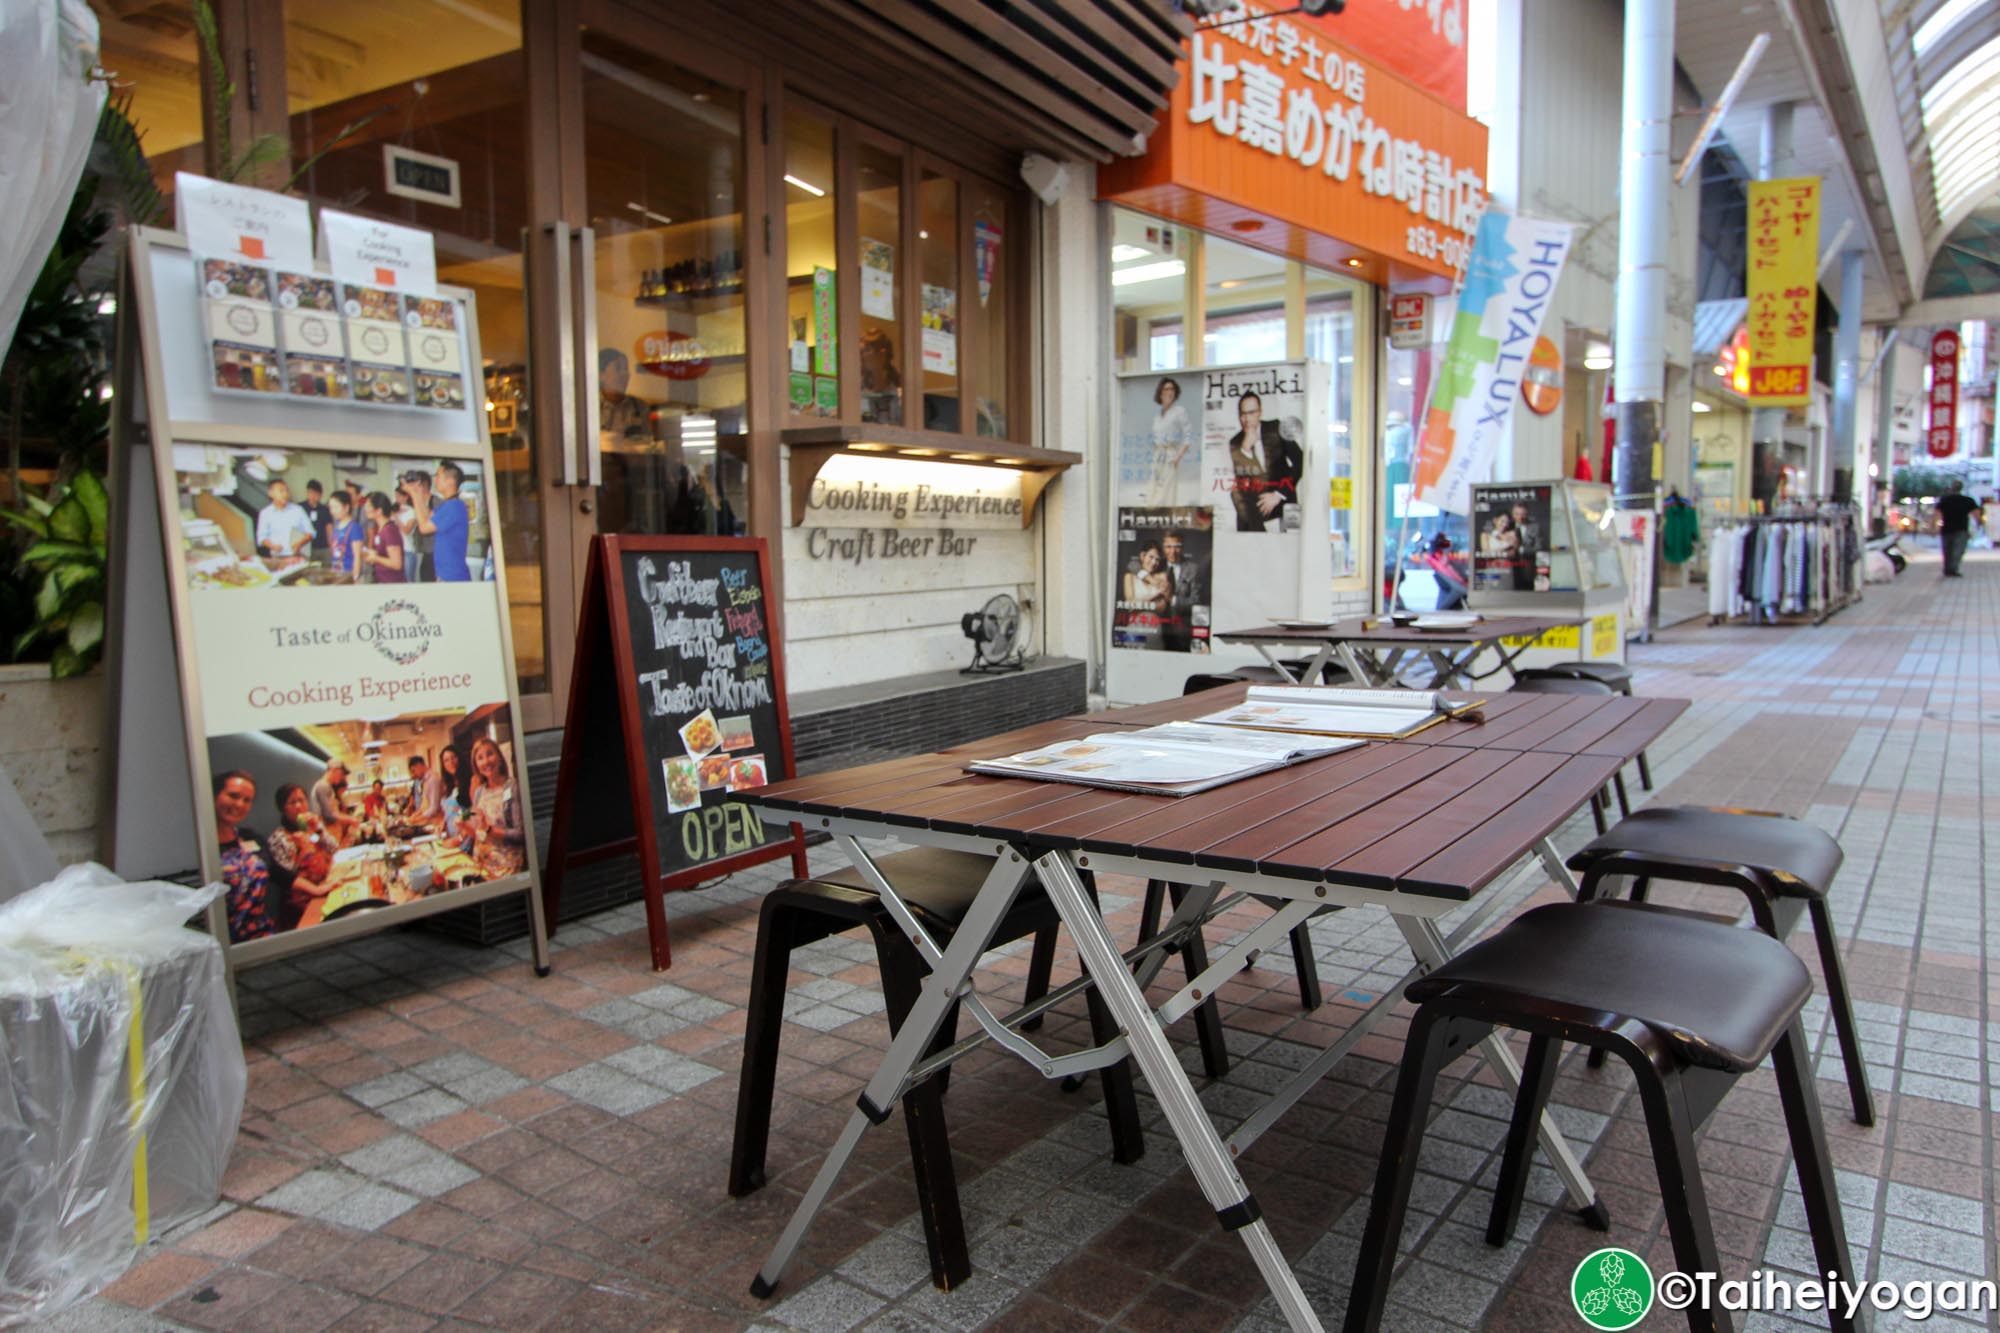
[553, 33]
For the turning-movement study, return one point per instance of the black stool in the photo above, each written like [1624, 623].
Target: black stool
[1334, 674]
[1691, 1005]
[1784, 867]
[1615, 674]
[939, 887]
[1529, 682]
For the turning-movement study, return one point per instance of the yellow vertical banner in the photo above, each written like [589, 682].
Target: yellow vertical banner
[1782, 284]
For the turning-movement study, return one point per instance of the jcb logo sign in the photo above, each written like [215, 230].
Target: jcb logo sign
[1772, 381]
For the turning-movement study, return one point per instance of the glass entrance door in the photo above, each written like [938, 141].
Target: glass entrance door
[664, 306]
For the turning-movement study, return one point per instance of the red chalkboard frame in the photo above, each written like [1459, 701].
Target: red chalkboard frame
[604, 659]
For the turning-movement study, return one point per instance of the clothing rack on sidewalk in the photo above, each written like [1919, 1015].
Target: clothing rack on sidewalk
[1797, 565]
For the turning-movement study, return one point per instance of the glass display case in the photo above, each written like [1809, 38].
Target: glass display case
[1551, 548]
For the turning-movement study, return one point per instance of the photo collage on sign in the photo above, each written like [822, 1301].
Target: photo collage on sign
[715, 760]
[272, 330]
[359, 739]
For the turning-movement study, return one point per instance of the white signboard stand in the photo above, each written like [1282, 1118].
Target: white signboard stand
[306, 707]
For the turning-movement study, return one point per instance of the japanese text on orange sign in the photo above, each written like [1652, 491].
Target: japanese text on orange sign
[1783, 266]
[1267, 85]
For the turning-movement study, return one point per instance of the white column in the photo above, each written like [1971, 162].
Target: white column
[1074, 350]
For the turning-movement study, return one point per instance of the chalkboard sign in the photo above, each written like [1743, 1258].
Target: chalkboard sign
[676, 707]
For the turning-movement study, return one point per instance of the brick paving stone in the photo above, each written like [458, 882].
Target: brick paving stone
[435, 1134]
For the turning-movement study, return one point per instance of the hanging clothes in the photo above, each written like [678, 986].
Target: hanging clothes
[1680, 531]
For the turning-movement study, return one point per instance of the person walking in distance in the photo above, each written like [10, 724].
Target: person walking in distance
[1955, 510]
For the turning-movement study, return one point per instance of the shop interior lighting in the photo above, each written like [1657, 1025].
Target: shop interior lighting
[1597, 363]
[1721, 370]
[1700, 406]
[1354, 263]
[1125, 254]
[1165, 268]
[646, 212]
[809, 188]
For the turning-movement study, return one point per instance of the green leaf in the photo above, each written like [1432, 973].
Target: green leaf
[52, 552]
[70, 521]
[88, 491]
[48, 600]
[25, 640]
[34, 523]
[86, 627]
[42, 507]
[65, 662]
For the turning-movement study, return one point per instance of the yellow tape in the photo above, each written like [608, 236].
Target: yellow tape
[135, 1065]
[135, 1085]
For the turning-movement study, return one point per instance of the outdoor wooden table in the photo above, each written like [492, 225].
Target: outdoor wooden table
[1375, 651]
[1418, 827]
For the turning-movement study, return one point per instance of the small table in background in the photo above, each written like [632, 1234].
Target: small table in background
[1375, 651]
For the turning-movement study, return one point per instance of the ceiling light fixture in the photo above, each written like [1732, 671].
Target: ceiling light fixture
[810, 189]
[1165, 268]
[1597, 363]
[1125, 254]
[646, 212]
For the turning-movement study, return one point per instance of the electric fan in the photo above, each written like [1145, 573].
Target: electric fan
[997, 631]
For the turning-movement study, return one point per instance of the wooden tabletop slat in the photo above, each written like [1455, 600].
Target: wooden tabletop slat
[1440, 814]
[1636, 733]
[1245, 848]
[1467, 865]
[1317, 855]
[1593, 726]
[1177, 829]
[1383, 862]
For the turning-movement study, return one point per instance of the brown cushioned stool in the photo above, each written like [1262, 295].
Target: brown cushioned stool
[1690, 1004]
[1538, 681]
[938, 886]
[1784, 867]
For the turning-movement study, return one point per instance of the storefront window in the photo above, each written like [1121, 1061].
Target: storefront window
[1331, 303]
[1434, 546]
[472, 113]
[812, 376]
[1244, 297]
[1149, 291]
[988, 312]
[937, 245]
[879, 213]
[665, 197]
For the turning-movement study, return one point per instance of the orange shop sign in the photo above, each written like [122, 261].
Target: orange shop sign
[1422, 40]
[1313, 149]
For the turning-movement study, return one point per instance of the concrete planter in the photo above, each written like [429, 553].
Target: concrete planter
[52, 746]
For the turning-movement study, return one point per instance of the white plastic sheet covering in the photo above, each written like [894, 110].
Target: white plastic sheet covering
[48, 114]
[121, 1080]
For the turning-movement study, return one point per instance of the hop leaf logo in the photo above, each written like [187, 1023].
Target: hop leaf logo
[1612, 1289]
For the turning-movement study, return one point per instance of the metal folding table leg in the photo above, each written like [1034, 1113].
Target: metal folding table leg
[1430, 948]
[913, 1039]
[1275, 664]
[1234, 1205]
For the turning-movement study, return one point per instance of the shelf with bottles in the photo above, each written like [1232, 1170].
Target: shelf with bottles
[692, 281]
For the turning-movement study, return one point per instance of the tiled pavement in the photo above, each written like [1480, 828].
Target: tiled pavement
[437, 1139]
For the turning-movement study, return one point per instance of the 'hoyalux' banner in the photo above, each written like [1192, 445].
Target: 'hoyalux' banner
[1509, 280]
[1783, 286]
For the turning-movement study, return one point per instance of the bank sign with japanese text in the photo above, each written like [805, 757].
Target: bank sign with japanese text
[1274, 122]
[1783, 286]
[1940, 434]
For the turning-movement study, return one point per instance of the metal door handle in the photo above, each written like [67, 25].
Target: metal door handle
[565, 413]
[589, 419]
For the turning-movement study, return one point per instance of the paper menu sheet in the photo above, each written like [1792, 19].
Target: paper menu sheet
[1331, 711]
[1177, 758]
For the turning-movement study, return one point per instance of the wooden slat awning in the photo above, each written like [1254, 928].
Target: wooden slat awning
[1068, 78]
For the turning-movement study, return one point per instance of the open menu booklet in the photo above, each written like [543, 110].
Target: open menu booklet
[1325, 710]
[1174, 759]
